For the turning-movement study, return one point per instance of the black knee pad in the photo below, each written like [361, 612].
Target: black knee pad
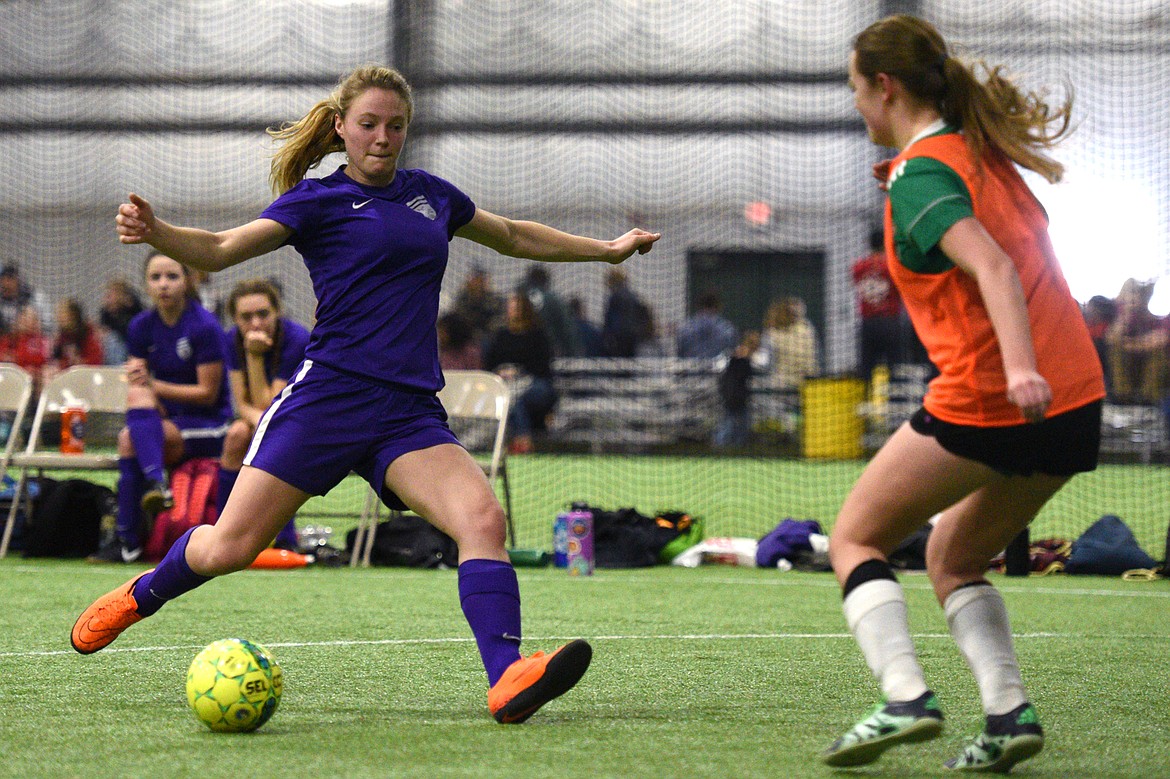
[868, 571]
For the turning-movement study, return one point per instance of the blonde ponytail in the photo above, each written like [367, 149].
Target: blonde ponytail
[311, 138]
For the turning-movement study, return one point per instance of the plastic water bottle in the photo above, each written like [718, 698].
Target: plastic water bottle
[73, 420]
[561, 540]
[580, 550]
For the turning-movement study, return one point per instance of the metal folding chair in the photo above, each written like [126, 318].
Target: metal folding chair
[16, 387]
[98, 388]
[468, 397]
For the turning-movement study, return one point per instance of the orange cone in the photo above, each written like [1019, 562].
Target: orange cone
[280, 558]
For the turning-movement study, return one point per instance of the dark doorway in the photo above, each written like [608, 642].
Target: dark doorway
[748, 281]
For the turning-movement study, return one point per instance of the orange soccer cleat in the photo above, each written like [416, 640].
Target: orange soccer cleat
[106, 618]
[531, 682]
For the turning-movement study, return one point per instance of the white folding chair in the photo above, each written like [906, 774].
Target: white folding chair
[16, 387]
[469, 397]
[100, 389]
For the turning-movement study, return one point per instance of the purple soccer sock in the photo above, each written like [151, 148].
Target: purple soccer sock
[287, 537]
[490, 596]
[170, 578]
[146, 433]
[227, 480]
[130, 484]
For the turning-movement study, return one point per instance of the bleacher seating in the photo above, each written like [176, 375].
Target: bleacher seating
[654, 403]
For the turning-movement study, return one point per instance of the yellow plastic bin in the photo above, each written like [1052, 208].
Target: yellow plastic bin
[832, 427]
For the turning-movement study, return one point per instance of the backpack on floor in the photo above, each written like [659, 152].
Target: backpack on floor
[408, 540]
[1107, 548]
[626, 538]
[194, 484]
[66, 519]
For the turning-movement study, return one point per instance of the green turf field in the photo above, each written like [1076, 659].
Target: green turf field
[748, 496]
[712, 672]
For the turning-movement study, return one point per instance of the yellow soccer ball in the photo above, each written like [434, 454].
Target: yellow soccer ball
[234, 685]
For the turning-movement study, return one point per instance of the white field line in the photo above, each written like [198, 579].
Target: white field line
[632, 637]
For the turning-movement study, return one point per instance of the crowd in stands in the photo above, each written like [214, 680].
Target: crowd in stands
[477, 332]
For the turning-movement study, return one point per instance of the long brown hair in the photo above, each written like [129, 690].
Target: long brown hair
[311, 138]
[993, 112]
[268, 290]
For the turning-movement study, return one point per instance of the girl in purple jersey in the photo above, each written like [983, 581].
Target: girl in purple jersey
[177, 405]
[374, 239]
[263, 352]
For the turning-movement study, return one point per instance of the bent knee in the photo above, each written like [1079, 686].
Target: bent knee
[222, 556]
[237, 441]
[140, 397]
[485, 525]
[125, 443]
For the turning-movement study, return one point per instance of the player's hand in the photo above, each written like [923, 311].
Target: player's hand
[1029, 392]
[257, 342]
[881, 172]
[135, 220]
[137, 374]
[636, 240]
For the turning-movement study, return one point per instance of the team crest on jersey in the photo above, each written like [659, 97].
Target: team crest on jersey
[895, 173]
[421, 205]
[183, 348]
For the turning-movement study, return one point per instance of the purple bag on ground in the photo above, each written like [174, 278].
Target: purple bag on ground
[786, 540]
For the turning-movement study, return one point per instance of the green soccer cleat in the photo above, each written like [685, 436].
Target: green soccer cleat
[1006, 740]
[887, 725]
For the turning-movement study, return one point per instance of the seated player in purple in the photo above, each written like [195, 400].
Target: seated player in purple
[263, 352]
[177, 402]
[375, 241]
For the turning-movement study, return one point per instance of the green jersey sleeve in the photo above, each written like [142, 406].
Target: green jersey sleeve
[926, 197]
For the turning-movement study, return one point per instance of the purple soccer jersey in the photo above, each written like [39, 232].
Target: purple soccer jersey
[173, 354]
[294, 340]
[376, 256]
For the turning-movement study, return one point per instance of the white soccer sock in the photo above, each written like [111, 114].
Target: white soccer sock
[877, 617]
[978, 621]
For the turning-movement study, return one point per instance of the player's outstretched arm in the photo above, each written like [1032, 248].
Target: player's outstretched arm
[194, 247]
[536, 241]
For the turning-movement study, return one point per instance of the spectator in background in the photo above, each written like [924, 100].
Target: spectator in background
[1137, 343]
[16, 294]
[791, 342]
[77, 341]
[521, 352]
[120, 304]
[706, 334]
[178, 401]
[1100, 312]
[654, 339]
[553, 312]
[735, 426]
[264, 349]
[26, 344]
[628, 321]
[883, 320]
[588, 334]
[480, 305]
[458, 348]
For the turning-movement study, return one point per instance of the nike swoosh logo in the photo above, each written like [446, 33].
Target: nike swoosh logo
[510, 637]
[356, 206]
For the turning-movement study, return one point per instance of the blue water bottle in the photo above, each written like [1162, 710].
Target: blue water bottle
[561, 540]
